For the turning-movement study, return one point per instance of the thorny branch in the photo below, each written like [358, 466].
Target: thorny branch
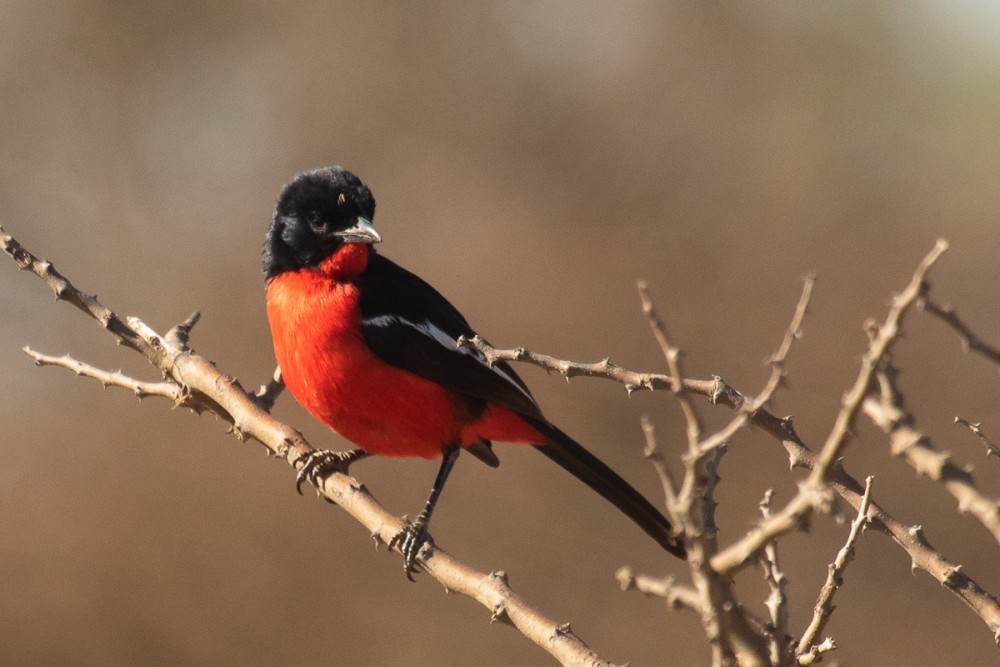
[677, 596]
[969, 339]
[197, 384]
[777, 599]
[193, 382]
[977, 430]
[110, 378]
[889, 413]
[731, 637]
[734, 635]
[909, 537]
[880, 346]
[808, 651]
[652, 454]
[813, 491]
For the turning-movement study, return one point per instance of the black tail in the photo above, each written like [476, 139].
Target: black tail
[588, 469]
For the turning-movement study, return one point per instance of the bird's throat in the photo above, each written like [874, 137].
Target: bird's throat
[346, 263]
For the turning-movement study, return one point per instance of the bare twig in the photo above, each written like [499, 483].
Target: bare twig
[224, 396]
[631, 380]
[64, 291]
[779, 358]
[731, 635]
[777, 600]
[673, 358]
[790, 518]
[268, 393]
[834, 580]
[970, 341]
[180, 334]
[909, 537]
[777, 378]
[652, 454]
[141, 389]
[976, 428]
[880, 346]
[815, 652]
[677, 596]
[712, 479]
[813, 493]
[889, 414]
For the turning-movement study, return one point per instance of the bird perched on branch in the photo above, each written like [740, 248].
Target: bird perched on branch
[372, 351]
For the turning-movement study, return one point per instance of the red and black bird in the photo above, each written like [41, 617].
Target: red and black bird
[372, 351]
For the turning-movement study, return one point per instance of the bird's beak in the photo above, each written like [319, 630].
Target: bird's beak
[362, 232]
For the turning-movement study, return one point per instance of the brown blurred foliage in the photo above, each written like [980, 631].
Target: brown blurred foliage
[531, 160]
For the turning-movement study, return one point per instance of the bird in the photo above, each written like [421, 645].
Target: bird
[373, 352]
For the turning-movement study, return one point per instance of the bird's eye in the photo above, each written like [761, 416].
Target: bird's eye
[315, 221]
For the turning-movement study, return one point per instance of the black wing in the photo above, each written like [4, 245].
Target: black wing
[408, 324]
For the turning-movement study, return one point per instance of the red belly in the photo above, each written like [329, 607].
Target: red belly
[316, 327]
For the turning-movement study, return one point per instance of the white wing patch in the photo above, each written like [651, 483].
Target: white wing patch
[451, 344]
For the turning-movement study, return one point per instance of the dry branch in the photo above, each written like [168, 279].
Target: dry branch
[970, 341]
[735, 637]
[777, 599]
[677, 595]
[808, 650]
[977, 430]
[879, 348]
[909, 537]
[888, 413]
[200, 385]
[813, 492]
[196, 383]
[110, 378]
[731, 637]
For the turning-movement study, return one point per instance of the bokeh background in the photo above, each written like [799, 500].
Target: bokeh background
[531, 160]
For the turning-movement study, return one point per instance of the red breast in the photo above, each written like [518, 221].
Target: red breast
[315, 322]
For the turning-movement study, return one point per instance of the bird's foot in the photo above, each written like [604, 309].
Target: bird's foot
[323, 461]
[410, 540]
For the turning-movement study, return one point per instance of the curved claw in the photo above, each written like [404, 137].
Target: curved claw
[410, 540]
[320, 462]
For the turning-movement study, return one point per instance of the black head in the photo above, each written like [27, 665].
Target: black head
[317, 213]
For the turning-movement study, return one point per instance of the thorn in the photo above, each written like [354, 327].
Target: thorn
[499, 614]
[626, 578]
[951, 575]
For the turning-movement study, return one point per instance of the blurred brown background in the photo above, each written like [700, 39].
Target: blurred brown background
[531, 160]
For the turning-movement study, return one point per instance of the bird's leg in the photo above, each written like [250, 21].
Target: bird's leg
[414, 534]
[322, 461]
